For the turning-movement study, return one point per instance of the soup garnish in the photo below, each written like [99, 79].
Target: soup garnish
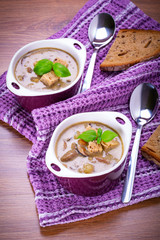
[89, 147]
[44, 66]
[91, 135]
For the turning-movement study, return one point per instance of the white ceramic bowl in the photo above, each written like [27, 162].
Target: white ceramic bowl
[30, 99]
[94, 183]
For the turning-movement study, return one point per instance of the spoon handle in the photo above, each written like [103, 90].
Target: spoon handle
[89, 74]
[129, 181]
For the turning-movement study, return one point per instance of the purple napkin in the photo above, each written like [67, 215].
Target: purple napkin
[109, 91]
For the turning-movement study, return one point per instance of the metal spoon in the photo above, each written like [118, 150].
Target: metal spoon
[143, 107]
[101, 31]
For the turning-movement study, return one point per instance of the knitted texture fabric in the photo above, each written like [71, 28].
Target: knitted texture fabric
[109, 91]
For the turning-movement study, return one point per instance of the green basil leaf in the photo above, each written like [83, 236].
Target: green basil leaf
[88, 136]
[99, 132]
[99, 139]
[108, 135]
[43, 66]
[60, 70]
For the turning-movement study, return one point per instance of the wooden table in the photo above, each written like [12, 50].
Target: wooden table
[20, 23]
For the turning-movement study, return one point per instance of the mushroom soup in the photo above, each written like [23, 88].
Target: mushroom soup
[89, 147]
[49, 79]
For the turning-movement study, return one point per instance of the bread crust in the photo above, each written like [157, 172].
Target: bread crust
[130, 47]
[151, 149]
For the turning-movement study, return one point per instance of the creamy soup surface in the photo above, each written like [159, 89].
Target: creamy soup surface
[28, 78]
[91, 157]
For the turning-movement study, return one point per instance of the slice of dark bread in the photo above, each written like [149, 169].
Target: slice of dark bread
[131, 46]
[151, 149]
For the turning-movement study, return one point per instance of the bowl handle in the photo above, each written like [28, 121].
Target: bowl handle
[78, 47]
[126, 126]
[122, 120]
[82, 53]
[57, 168]
[12, 85]
[16, 88]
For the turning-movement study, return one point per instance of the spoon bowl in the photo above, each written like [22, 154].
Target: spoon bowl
[144, 102]
[100, 32]
[143, 107]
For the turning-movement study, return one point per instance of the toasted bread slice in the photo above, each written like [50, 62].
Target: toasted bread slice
[151, 149]
[131, 46]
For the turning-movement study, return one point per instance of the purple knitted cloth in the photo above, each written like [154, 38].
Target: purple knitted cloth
[109, 91]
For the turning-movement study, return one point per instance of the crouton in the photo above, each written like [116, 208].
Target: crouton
[90, 128]
[94, 147]
[49, 78]
[35, 63]
[110, 145]
[59, 60]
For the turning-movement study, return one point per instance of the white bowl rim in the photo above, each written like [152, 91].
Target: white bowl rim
[66, 173]
[63, 43]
